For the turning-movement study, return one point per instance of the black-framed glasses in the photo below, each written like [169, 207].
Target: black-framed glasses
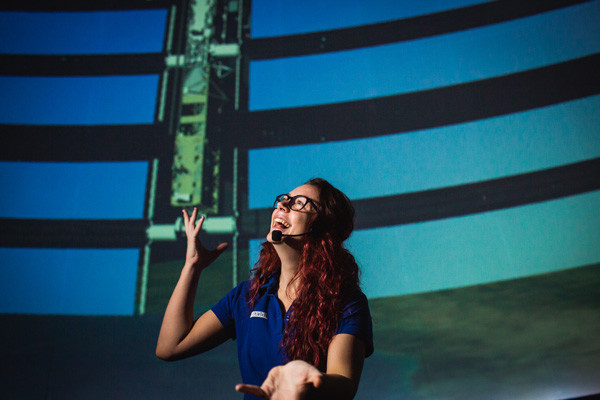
[295, 203]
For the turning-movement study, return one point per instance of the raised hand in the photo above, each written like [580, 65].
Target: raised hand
[291, 381]
[197, 255]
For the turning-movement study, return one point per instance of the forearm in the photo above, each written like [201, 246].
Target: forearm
[179, 314]
[344, 367]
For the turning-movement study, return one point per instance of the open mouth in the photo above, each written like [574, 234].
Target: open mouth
[280, 223]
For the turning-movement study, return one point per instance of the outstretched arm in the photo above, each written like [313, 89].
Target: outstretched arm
[179, 336]
[300, 380]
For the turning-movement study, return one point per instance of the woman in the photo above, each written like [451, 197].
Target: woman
[302, 324]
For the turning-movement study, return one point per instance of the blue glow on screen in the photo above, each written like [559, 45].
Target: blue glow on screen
[68, 281]
[476, 249]
[82, 32]
[71, 190]
[488, 247]
[98, 100]
[455, 58]
[433, 158]
[285, 17]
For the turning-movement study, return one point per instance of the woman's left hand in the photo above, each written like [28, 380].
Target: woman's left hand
[290, 381]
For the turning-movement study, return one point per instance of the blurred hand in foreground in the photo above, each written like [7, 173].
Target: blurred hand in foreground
[291, 381]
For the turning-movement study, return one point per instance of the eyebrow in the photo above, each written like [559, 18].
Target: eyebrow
[303, 195]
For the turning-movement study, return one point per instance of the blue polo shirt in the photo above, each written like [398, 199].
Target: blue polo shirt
[259, 332]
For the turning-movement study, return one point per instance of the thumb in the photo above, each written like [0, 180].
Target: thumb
[316, 379]
[219, 250]
[251, 389]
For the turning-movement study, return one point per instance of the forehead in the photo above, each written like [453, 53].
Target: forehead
[306, 190]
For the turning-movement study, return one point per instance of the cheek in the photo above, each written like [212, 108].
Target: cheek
[303, 222]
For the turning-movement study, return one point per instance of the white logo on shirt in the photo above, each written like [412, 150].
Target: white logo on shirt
[259, 314]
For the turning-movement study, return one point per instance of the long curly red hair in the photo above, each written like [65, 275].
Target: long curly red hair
[327, 272]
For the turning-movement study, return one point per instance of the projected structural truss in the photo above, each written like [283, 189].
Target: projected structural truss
[195, 180]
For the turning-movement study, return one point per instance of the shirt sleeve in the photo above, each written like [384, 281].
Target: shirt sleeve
[356, 321]
[227, 308]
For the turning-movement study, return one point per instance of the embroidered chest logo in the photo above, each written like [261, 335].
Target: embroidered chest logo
[259, 314]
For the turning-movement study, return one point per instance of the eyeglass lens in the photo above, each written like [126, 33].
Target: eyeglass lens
[295, 203]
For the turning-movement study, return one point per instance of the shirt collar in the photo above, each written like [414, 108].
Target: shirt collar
[272, 284]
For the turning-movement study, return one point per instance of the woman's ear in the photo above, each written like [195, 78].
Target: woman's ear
[318, 225]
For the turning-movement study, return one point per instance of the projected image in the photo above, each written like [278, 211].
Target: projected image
[465, 304]
[309, 16]
[465, 133]
[426, 63]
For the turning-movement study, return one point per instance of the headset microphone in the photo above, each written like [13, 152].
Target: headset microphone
[277, 235]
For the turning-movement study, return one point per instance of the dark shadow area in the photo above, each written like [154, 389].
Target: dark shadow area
[527, 338]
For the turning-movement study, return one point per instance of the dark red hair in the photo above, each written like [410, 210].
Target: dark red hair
[327, 272]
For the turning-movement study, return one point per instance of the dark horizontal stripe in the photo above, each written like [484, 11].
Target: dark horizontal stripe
[399, 30]
[460, 200]
[72, 233]
[370, 213]
[479, 197]
[78, 5]
[420, 110]
[83, 143]
[78, 65]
